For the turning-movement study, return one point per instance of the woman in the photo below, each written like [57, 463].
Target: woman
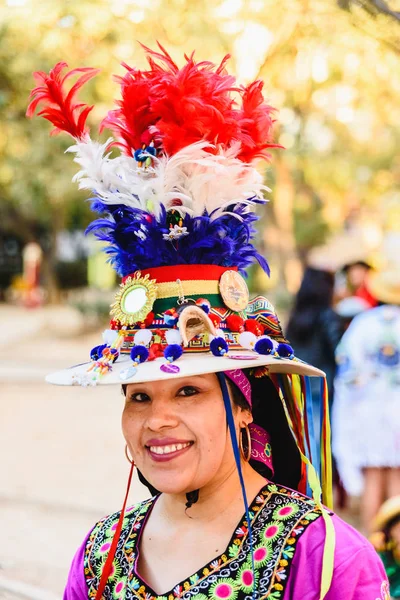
[366, 440]
[216, 404]
[314, 328]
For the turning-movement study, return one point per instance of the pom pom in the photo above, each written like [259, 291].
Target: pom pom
[204, 304]
[173, 352]
[264, 345]
[254, 326]
[114, 325]
[109, 336]
[247, 340]
[235, 323]
[139, 354]
[285, 351]
[215, 319]
[142, 337]
[97, 351]
[173, 336]
[218, 346]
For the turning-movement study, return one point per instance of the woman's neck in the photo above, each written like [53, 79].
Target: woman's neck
[215, 497]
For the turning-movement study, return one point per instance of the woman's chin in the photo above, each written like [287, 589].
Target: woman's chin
[172, 484]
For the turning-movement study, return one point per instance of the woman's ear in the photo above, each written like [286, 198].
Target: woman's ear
[245, 417]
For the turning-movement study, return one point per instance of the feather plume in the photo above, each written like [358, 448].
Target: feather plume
[194, 179]
[177, 107]
[131, 121]
[60, 107]
[136, 241]
[255, 122]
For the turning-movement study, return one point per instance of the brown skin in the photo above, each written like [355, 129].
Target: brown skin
[380, 483]
[188, 409]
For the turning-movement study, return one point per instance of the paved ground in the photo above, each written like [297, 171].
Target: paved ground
[62, 458]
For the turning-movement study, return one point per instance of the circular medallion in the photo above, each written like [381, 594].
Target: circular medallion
[134, 299]
[233, 290]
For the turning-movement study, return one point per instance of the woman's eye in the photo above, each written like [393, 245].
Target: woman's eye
[188, 390]
[139, 397]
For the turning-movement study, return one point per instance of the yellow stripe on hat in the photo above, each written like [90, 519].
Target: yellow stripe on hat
[178, 288]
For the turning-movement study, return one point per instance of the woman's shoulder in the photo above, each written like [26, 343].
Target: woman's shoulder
[132, 513]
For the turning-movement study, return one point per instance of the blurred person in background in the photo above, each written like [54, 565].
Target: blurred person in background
[315, 329]
[366, 413]
[386, 540]
[356, 274]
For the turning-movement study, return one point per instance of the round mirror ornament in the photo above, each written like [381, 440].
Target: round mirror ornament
[234, 291]
[134, 299]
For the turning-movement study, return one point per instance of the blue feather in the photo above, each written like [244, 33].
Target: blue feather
[136, 241]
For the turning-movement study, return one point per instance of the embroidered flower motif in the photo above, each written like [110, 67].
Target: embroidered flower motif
[285, 512]
[175, 233]
[119, 589]
[245, 579]
[224, 589]
[115, 571]
[273, 531]
[262, 554]
[111, 530]
[275, 537]
[103, 549]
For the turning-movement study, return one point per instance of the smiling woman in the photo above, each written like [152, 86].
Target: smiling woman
[217, 416]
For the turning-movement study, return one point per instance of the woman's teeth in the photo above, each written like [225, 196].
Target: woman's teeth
[168, 449]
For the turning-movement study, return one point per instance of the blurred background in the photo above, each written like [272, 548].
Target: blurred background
[332, 69]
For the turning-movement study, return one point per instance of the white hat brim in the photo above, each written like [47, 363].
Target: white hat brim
[189, 364]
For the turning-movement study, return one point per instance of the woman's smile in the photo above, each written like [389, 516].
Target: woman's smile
[161, 450]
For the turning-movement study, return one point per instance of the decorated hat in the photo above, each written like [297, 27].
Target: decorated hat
[388, 513]
[177, 212]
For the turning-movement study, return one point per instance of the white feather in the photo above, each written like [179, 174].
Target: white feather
[201, 180]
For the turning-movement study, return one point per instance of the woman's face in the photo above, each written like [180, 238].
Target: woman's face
[177, 433]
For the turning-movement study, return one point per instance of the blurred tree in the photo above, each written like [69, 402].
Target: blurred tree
[337, 90]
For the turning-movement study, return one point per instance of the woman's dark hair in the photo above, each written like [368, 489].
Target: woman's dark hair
[314, 295]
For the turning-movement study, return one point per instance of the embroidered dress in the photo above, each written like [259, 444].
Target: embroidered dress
[366, 411]
[288, 534]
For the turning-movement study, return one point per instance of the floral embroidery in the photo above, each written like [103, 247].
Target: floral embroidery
[279, 517]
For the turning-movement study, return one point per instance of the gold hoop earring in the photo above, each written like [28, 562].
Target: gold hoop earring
[245, 452]
[128, 458]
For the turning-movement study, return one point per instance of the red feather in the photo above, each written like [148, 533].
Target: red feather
[255, 122]
[131, 121]
[59, 106]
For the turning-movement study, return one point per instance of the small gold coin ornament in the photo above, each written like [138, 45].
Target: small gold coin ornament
[134, 300]
[234, 291]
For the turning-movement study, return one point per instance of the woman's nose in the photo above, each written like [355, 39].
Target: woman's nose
[161, 415]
